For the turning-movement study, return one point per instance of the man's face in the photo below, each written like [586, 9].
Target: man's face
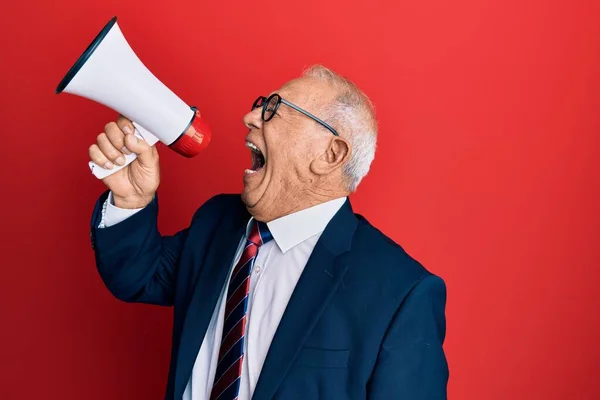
[284, 147]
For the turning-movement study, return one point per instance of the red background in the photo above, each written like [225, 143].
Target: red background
[486, 171]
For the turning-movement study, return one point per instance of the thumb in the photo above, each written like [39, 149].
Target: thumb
[144, 152]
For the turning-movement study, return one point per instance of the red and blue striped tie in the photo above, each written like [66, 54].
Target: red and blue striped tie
[231, 354]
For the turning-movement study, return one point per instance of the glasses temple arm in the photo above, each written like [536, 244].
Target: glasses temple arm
[325, 125]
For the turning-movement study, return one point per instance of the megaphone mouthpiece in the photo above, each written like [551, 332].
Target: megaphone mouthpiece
[194, 139]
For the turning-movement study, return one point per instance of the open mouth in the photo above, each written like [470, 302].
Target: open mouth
[258, 159]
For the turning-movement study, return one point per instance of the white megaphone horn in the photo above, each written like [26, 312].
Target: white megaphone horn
[110, 73]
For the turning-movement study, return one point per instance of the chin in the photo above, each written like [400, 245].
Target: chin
[255, 196]
[249, 196]
[256, 184]
[246, 198]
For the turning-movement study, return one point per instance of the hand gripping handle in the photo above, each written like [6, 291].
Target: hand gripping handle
[101, 172]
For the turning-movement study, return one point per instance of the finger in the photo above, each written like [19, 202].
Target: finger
[99, 158]
[109, 150]
[146, 156]
[115, 136]
[127, 128]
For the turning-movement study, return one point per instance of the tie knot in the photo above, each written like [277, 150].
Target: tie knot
[260, 233]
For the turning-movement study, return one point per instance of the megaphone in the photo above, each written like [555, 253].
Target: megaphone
[110, 73]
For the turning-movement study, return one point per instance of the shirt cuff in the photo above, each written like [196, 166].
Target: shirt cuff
[112, 215]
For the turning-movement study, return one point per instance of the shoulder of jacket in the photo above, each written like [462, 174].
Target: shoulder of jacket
[220, 204]
[387, 255]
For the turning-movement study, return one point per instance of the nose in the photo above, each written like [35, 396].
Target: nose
[252, 120]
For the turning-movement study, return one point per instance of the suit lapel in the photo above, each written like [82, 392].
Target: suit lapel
[317, 284]
[205, 295]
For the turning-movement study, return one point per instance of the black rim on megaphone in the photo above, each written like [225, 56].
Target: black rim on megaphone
[85, 56]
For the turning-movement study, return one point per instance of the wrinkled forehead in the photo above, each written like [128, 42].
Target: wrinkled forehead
[307, 92]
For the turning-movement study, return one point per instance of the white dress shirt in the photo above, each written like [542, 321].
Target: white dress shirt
[276, 271]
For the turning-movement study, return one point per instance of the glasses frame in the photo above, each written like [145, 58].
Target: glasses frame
[267, 100]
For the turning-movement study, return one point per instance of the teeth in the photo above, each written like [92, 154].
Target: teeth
[253, 147]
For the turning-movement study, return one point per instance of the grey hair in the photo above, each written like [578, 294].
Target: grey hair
[353, 115]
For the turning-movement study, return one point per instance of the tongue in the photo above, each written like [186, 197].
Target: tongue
[255, 161]
[261, 161]
[258, 161]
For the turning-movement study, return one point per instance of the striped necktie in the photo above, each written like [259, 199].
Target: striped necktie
[231, 354]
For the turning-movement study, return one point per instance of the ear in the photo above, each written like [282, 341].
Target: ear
[336, 154]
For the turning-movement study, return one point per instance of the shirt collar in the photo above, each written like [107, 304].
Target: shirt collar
[292, 229]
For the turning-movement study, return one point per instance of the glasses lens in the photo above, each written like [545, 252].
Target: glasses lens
[271, 108]
[258, 102]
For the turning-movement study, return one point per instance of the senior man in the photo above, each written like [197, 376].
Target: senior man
[283, 292]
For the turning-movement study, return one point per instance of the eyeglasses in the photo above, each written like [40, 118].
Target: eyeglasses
[271, 104]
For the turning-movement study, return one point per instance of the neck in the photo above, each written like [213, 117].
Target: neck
[294, 200]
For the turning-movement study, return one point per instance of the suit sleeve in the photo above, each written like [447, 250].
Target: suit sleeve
[136, 262]
[411, 363]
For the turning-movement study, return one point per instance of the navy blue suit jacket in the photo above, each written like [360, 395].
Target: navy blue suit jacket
[365, 321]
